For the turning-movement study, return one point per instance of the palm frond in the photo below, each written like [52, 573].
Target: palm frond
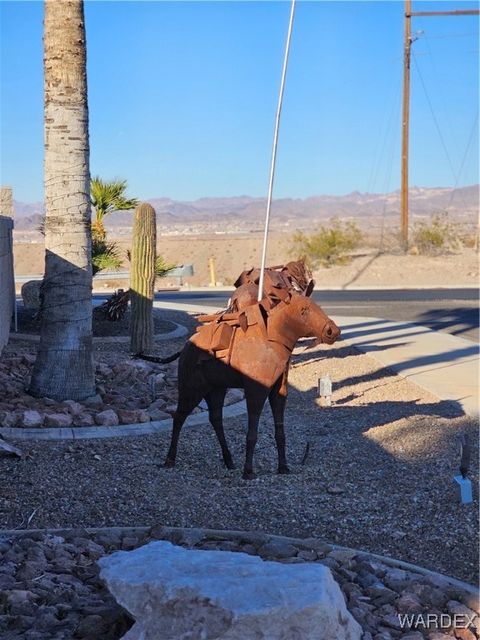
[105, 256]
[162, 268]
[107, 196]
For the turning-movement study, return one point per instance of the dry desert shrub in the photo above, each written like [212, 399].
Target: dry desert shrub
[330, 245]
[436, 237]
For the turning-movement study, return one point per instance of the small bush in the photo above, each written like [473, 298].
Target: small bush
[329, 246]
[435, 237]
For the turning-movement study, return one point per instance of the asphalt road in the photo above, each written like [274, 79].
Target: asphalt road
[454, 311]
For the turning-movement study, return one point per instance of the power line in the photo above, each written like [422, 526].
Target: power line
[467, 149]
[437, 126]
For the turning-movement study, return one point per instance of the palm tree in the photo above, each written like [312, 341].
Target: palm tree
[106, 197]
[64, 365]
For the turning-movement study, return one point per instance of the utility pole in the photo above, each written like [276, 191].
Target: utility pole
[407, 44]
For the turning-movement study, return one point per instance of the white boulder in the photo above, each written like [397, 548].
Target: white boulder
[175, 593]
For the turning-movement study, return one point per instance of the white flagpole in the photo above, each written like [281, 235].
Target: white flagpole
[274, 152]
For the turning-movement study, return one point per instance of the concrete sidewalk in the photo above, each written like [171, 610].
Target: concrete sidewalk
[445, 365]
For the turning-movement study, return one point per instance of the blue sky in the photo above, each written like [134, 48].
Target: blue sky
[182, 97]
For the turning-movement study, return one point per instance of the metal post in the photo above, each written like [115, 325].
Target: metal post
[405, 124]
[274, 152]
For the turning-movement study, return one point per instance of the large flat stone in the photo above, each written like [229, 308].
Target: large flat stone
[175, 593]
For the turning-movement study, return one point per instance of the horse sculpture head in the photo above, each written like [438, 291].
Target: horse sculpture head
[301, 317]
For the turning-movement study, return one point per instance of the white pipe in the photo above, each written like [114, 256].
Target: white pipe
[274, 152]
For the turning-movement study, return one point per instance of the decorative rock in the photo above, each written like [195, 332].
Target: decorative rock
[127, 416]
[58, 420]
[157, 414]
[159, 403]
[31, 418]
[31, 294]
[93, 401]
[234, 395]
[8, 419]
[143, 416]
[84, 420]
[409, 603]
[75, 408]
[396, 579]
[276, 550]
[345, 556]
[107, 418]
[174, 592]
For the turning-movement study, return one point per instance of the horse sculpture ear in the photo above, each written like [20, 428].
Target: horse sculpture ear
[308, 291]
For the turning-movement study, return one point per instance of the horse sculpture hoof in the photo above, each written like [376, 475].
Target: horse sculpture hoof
[248, 475]
[283, 470]
[169, 464]
[230, 466]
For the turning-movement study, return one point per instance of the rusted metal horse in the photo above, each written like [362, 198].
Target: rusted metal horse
[278, 282]
[248, 349]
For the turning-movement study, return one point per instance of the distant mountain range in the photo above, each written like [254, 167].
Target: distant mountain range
[460, 203]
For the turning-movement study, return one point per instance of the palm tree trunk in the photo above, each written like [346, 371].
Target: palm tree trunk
[64, 365]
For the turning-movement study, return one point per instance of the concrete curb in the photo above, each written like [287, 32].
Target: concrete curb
[120, 431]
[178, 332]
[230, 534]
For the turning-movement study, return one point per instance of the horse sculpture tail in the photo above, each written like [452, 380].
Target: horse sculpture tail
[141, 356]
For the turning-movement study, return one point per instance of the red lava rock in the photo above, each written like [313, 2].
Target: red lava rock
[408, 603]
[107, 418]
[58, 420]
[8, 419]
[84, 420]
[75, 408]
[465, 634]
[127, 416]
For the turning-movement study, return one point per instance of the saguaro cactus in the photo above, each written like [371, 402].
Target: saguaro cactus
[142, 278]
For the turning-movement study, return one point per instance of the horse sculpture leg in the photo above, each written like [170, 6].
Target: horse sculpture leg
[186, 404]
[255, 395]
[215, 399]
[277, 404]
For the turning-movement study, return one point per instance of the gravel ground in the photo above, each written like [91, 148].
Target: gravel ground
[378, 475]
[51, 589]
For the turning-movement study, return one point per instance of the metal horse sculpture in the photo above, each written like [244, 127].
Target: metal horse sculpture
[279, 281]
[249, 349]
